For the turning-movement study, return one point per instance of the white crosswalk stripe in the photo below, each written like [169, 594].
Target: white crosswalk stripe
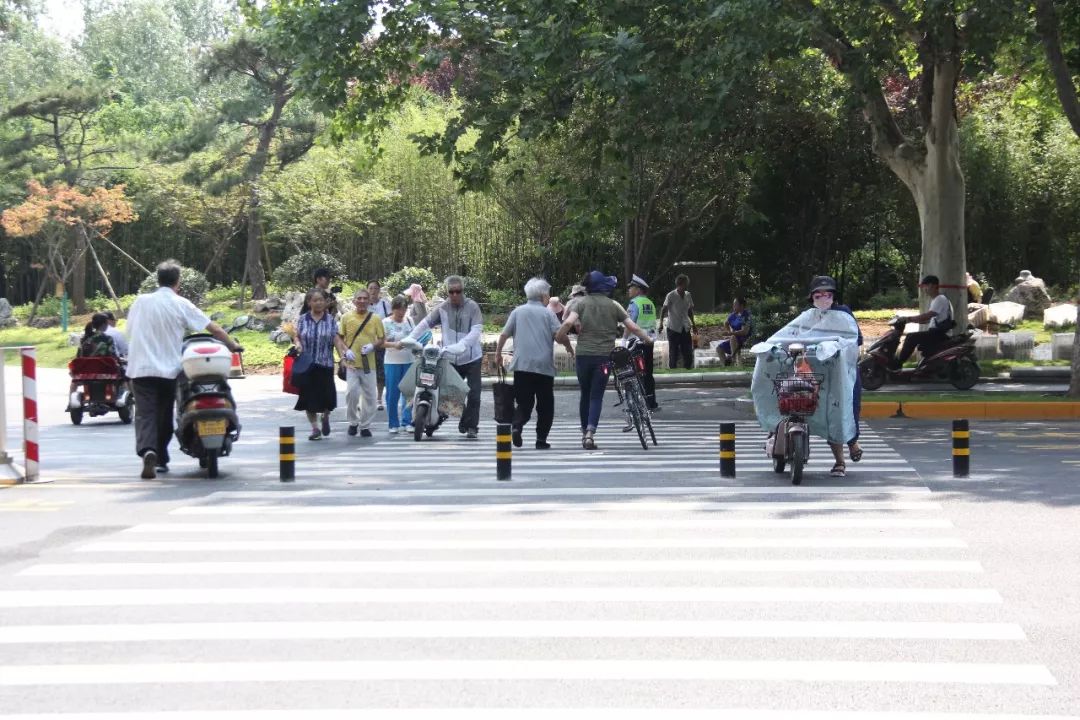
[583, 598]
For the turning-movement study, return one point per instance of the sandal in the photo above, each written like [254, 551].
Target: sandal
[587, 442]
[838, 470]
[855, 451]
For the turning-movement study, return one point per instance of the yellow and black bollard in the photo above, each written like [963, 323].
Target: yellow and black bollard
[287, 453]
[961, 448]
[503, 452]
[727, 450]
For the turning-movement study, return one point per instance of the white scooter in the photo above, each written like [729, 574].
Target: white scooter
[207, 423]
[425, 402]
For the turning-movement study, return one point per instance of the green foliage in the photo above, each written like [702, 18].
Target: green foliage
[894, 298]
[505, 300]
[397, 282]
[193, 285]
[296, 273]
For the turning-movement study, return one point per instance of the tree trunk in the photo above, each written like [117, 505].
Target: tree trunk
[253, 258]
[78, 275]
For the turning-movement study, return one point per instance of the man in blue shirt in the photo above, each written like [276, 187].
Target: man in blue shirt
[738, 325]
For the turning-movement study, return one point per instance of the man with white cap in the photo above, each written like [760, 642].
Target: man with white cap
[642, 311]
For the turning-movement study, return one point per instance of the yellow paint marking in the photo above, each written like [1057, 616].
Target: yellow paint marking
[1071, 446]
[33, 505]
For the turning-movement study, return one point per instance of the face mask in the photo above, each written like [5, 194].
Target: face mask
[824, 302]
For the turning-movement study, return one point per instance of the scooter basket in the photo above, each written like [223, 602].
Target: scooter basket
[797, 394]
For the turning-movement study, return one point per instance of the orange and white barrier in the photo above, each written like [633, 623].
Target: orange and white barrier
[9, 472]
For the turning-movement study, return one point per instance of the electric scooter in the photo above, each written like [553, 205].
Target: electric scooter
[952, 361]
[425, 402]
[797, 395]
[207, 424]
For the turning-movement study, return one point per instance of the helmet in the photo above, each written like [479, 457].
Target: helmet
[822, 282]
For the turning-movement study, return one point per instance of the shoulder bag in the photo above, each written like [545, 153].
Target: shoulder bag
[348, 346]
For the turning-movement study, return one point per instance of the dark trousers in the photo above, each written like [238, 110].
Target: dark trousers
[647, 379]
[155, 399]
[680, 343]
[470, 419]
[924, 340]
[592, 376]
[529, 389]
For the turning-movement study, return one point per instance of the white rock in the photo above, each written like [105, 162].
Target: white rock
[1006, 313]
[294, 303]
[1059, 316]
[1061, 346]
[5, 309]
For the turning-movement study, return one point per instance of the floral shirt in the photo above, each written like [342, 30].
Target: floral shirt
[317, 337]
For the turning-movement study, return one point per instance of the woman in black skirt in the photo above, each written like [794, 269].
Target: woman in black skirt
[317, 334]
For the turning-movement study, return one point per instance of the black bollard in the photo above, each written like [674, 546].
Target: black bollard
[727, 450]
[287, 453]
[503, 452]
[961, 448]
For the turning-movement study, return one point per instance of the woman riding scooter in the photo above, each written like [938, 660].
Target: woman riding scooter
[834, 332]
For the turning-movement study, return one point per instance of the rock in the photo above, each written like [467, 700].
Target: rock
[271, 303]
[1006, 313]
[280, 337]
[74, 338]
[5, 309]
[1059, 317]
[1030, 292]
[1061, 346]
[45, 322]
[1017, 345]
[294, 303]
[8, 322]
[217, 317]
[986, 347]
[257, 325]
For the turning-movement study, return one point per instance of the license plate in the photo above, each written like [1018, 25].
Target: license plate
[427, 378]
[210, 427]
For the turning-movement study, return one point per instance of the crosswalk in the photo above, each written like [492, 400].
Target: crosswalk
[528, 600]
[684, 448]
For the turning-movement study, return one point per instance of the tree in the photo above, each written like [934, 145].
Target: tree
[1048, 27]
[67, 219]
[262, 130]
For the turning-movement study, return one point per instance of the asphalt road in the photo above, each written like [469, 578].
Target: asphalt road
[396, 575]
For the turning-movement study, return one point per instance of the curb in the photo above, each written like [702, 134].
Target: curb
[973, 410]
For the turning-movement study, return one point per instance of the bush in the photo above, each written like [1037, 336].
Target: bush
[398, 282]
[505, 300]
[193, 285]
[474, 288]
[895, 298]
[296, 272]
[771, 313]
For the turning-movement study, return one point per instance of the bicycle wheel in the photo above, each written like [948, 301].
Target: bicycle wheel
[646, 414]
[636, 405]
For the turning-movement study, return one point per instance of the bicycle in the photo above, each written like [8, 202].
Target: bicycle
[627, 364]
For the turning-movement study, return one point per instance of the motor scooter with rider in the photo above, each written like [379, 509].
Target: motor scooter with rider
[207, 423]
[428, 371]
[952, 360]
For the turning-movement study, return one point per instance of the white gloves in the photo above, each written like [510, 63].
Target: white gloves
[456, 348]
[367, 349]
[350, 356]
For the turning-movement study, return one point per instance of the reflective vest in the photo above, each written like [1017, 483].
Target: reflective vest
[646, 314]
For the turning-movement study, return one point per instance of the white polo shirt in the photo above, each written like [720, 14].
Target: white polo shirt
[156, 325]
[942, 309]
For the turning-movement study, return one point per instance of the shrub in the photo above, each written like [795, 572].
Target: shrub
[895, 298]
[474, 288]
[396, 283]
[505, 300]
[193, 285]
[296, 272]
[771, 313]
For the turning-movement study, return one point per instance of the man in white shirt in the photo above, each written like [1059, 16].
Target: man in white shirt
[118, 337]
[941, 320]
[679, 310]
[157, 323]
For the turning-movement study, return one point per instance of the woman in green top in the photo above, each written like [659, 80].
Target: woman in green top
[599, 316]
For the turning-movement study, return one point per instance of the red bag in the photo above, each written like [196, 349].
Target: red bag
[286, 376]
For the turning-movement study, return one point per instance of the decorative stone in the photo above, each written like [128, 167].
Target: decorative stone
[280, 337]
[1061, 346]
[254, 324]
[1030, 292]
[1059, 317]
[45, 322]
[271, 303]
[218, 316]
[74, 338]
[1017, 345]
[5, 309]
[1006, 313]
[294, 303]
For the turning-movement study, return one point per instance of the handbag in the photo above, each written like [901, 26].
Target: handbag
[504, 398]
[341, 363]
[289, 374]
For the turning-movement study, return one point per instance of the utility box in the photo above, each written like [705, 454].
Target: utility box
[703, 283]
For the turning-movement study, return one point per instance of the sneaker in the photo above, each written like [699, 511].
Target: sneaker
[162, 468]
[515, 437]
[365, 433]
[395, 430]
[352, 430]
[315, 435]
[541, 445]
[380, 408]
[472, 434]
[325, 426]
[149, 465]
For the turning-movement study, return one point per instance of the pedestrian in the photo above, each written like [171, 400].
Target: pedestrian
[643, 312]
[317, 334]
[679, 310]
[398, 362]
[555, 305]
[462, 328]
[321, 279]
[418, 309]
[533, 327]
[599, 317]
[381, 307]
[157, 323]
[114, 332]
[855, 451]
[362, 333]
[737, 327]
